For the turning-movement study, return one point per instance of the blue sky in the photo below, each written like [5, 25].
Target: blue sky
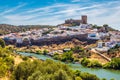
[52, 12]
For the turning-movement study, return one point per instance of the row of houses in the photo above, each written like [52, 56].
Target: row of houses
[57, 33]
[112, 42]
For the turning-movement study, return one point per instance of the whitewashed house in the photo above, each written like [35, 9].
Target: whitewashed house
[95, 36]
[19, 40]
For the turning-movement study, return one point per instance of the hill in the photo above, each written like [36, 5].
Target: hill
[6, 28]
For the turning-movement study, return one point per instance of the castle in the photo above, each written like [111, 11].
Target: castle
[73, 22]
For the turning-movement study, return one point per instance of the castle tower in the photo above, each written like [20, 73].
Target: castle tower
[84, 19]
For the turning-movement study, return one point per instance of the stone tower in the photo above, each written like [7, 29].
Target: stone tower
[84, 19]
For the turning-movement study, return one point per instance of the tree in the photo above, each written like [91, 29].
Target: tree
[24, 70]
[48, 70]
[45, 52]
[39, 52]
[85, 62]
[36, 76]
[105, 25]
[113, 64]
[87, 76]
[61, 75]
[78, 78]
[94, 63]
[2, 43]
[6, 62]
[3, 69]
[67, 56]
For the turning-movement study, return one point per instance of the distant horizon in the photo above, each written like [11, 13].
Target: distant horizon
[55, 25]
[53, 12]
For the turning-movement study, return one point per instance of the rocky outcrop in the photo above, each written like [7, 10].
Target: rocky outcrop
[76, 39]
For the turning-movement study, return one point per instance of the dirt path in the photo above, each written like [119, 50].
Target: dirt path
[105, 57]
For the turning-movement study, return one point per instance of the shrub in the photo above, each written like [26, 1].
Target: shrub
[113, 64]
[87, 76]
[2, 43]
[85, 61]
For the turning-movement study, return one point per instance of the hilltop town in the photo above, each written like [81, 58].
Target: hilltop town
[74, 42]
[68, 35]
[82, 31]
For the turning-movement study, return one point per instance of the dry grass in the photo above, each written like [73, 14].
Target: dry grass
[17, 59]
[98, 58]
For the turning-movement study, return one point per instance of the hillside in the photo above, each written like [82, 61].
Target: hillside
[6, 28]
[16, 67]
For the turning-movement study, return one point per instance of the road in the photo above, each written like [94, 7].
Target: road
[105, 57]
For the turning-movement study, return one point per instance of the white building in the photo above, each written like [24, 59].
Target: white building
[105, 46]
[95, 36]
[19, 40]
[85, 26]
[100, 44]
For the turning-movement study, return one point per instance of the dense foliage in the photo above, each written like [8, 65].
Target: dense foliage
[88, 63]
[68, 56]
[113, 52]
[2, 43]
[105, 27]
[87, 76]
[81, 51]
[6, 62]
[48, 70]
[113, 64]
[37, 69]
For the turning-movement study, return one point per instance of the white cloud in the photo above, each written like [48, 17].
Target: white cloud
[12, 9]
[47, 8]
[75, 0]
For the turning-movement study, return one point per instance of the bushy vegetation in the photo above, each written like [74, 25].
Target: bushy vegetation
[87, 76]
[39, 52]
[6, 62]
[88, 63]
[37, 69]
[68, 55]
[65, 57]
[48, 70]
[114, 51]
[45, 52]
[47, 32]
[2, 43]
[113, 64]
[105, 26]
[81, 51]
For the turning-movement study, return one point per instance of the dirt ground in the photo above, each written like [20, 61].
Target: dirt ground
[95, 56]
